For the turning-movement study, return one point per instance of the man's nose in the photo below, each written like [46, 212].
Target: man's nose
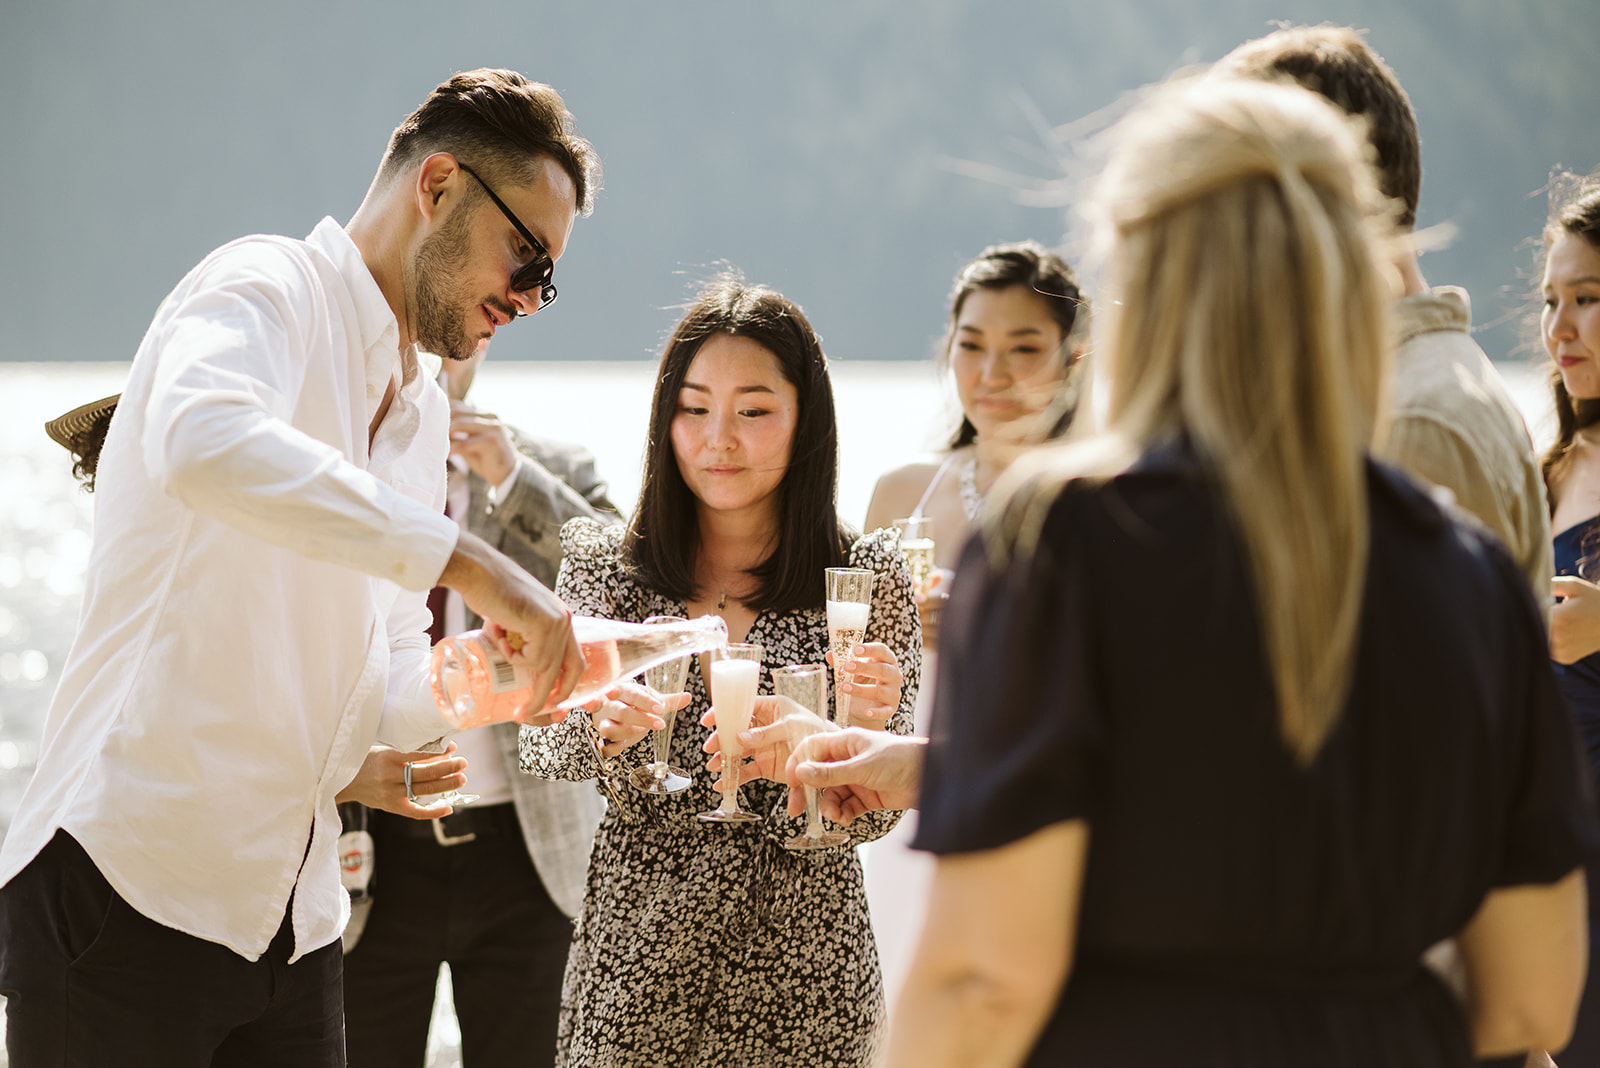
[527, 301]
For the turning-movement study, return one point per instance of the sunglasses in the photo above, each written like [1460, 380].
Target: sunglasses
[537, 271]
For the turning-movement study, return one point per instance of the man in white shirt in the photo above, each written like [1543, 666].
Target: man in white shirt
[269, 518]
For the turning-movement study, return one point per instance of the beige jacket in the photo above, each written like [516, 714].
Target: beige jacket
[1455, 425]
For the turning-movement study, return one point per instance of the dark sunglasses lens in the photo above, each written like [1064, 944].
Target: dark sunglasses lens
[534, 274]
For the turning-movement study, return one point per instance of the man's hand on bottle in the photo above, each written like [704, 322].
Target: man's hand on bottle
[511, 601]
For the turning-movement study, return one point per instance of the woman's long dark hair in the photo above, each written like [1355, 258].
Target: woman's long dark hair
[1575, 212]
[1030, 265]
[663, 537]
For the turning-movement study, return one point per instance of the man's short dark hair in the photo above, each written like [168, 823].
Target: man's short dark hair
[1337, 62]
[499, 123]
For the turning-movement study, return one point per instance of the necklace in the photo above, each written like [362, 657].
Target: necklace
[971, 499]
[722, 601]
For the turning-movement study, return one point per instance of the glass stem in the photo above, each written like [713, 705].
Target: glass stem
[814, 828]
[663, 743]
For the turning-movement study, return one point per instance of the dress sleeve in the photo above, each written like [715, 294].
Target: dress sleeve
[589, 559]
[1017, 717]
[1552, 824]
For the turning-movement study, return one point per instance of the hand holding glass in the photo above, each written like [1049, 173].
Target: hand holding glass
[849, 601]
[735, 675]
[806, 685]
[453, 798]
[666, 679]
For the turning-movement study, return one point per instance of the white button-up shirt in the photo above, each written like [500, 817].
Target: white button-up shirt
[256, 597]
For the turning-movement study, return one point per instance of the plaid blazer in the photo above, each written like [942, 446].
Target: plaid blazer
[554, 482]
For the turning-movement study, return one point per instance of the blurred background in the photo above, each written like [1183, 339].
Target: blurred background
[854, 153]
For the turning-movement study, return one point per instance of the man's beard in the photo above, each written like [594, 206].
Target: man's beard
[437, 305]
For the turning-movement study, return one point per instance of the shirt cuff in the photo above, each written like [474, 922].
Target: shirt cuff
[419, 546]
[498, 493]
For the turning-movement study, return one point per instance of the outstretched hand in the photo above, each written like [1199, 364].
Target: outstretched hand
[777, 725]
[858, 771]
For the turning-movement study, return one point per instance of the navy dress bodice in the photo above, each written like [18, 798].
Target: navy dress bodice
[1577, 552]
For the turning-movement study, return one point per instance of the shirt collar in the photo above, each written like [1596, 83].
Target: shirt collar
[1441, 308]
[380, 333]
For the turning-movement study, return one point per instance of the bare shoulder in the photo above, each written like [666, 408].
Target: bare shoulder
[898, 492]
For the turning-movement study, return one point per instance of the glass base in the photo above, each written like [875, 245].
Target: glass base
[455, 799]
[716, 815]
[670, 781]
[827, 840]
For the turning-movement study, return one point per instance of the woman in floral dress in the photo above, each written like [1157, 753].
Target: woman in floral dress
[709, 943]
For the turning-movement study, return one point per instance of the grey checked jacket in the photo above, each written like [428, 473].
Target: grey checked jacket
[554, 482]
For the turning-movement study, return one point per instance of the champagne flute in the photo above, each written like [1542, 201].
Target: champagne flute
[807, 686]
[916, 542]
[849, 599]
[735, 674]
[667, 679]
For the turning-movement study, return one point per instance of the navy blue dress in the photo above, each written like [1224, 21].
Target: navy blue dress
[1238, 908]
[1577, 552]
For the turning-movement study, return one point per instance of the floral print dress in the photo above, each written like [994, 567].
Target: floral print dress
[710, 944]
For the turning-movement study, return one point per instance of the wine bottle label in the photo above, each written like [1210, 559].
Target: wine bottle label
[502, 673]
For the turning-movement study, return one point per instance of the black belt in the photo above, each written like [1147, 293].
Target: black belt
[465, 824]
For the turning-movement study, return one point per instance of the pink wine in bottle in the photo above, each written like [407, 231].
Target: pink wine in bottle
[475, 685]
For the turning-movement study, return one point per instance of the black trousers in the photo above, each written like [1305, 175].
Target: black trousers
[480, 907]
[90, 982]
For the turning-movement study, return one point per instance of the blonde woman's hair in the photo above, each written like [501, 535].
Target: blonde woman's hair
[1246, 308]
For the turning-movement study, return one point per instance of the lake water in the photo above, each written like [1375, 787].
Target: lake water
[889, 414]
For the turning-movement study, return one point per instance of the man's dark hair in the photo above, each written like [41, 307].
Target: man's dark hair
[1337, 62]
[663, 536]
[499, 123]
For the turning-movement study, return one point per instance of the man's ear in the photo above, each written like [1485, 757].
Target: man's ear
[438, 185]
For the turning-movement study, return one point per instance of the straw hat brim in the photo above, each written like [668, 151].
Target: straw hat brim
[66, 430]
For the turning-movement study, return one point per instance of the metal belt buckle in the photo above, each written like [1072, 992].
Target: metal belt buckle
[450, 839]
